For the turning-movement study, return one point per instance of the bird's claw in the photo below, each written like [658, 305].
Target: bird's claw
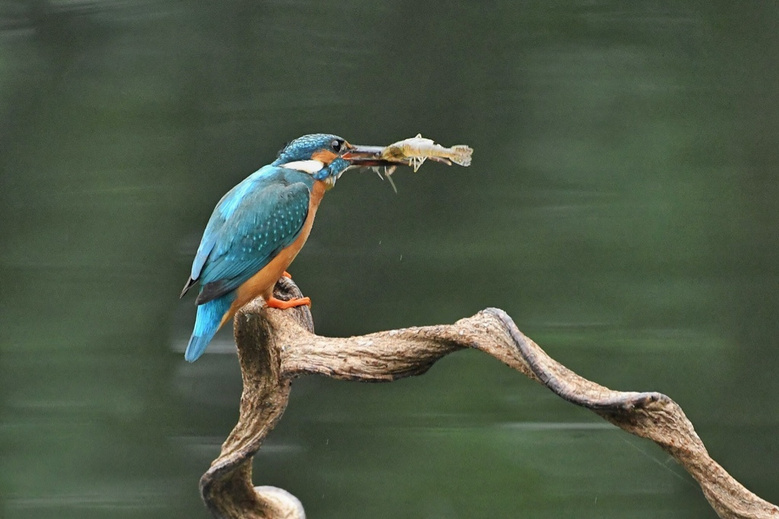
[292, 303]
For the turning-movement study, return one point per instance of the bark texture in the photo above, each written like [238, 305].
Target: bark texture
[275, 346]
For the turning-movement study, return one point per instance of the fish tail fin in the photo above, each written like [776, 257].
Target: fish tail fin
[461, 155]
[207, 323]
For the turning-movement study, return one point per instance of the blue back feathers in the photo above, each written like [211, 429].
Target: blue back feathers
[250, 225]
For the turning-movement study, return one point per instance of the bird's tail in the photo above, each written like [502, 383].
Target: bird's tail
[207, 322]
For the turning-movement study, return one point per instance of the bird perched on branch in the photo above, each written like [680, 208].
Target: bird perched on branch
[258, 228]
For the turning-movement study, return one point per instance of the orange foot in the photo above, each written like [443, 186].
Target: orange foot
[292, 303]
[287, 275]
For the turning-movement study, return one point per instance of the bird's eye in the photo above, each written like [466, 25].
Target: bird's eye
[336, 145]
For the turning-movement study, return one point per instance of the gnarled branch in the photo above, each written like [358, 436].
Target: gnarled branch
[275, 346]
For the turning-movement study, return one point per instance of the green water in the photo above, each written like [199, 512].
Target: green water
[621, 206]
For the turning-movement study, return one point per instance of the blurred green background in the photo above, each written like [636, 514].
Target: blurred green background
[621, 206]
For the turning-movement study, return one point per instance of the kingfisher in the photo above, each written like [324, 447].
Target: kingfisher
[260, 225]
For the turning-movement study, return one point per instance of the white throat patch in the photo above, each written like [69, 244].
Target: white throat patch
[306, 166]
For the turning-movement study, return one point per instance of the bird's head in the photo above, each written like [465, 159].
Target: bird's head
[324, 156]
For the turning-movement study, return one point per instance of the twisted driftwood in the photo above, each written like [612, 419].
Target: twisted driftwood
[276, 346]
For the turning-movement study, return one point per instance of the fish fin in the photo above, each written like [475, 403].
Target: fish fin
[442, 160]
[416, 162]
[461, 155]
[388, 176]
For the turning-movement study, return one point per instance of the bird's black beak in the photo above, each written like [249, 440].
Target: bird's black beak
[366, 156]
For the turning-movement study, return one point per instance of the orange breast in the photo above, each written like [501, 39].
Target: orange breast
[262, 283]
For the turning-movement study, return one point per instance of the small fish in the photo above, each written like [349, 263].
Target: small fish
[416, 150]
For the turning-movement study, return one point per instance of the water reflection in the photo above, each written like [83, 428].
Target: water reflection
[621, 206]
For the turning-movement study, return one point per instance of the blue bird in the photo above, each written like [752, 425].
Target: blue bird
[258, 228]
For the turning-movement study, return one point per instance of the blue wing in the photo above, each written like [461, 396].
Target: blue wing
[250, 225]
